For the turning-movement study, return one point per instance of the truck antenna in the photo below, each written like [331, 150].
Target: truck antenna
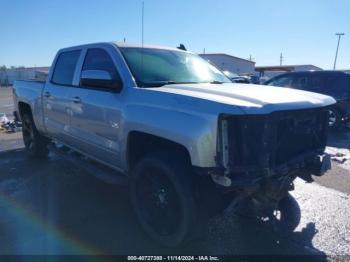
[142, 17]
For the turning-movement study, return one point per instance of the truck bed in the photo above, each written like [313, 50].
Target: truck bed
[29, 84]
[29, 92]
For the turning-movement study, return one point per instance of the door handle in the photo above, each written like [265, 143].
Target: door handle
[77, 100]
[47, 94]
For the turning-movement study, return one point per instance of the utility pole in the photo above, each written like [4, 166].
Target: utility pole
[336, 52]
[281, 59]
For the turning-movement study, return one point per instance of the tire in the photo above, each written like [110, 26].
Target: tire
[289, 214]
[35, 143]
[162, 199]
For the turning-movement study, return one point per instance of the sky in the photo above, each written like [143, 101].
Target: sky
[302, 30]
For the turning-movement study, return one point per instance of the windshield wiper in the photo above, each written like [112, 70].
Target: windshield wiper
[155, 83]
[171, 82]
[162, 83]
[216, 82]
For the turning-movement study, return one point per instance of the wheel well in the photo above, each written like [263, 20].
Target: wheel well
[140, 144]
[24, 108]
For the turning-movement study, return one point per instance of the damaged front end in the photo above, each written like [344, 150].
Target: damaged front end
[261, 155]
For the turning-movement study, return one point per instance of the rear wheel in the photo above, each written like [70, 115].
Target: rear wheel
[162, 198]
[36, 144]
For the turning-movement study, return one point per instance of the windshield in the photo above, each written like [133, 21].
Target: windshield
[156, 67]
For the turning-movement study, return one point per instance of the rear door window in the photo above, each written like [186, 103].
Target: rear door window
[309, 82]
[316, 83]
[65, 67]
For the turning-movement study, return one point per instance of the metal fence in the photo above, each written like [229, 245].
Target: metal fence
[8, 76]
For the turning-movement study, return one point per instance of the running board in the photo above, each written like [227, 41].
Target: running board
[100, 171]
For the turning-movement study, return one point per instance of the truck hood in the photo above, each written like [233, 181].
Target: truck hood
[251, 98]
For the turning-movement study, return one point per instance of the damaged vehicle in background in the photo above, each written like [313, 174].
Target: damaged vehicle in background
[332, 83]
[186, 139]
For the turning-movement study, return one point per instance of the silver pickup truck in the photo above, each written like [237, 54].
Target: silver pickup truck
[189, 141]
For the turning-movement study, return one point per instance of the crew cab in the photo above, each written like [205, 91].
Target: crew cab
[188, 140]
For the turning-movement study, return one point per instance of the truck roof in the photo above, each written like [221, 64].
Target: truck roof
[123, 45]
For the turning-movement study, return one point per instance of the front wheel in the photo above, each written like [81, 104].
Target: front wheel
[35, 143]
[162, 198]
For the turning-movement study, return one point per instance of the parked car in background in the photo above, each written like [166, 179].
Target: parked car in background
[332, 83]
[255, 79]
[235, 78]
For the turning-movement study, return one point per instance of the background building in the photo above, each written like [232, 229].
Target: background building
[9, 75]
[226, 62]
[271, 71]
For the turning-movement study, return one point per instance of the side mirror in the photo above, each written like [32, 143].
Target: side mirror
[99, 79]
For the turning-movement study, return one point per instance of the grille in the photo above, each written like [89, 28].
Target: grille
[271, 140]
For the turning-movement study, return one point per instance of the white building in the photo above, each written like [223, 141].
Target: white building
[226, 62]
[8, 76]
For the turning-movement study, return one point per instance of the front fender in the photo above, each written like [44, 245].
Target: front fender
[197, 133]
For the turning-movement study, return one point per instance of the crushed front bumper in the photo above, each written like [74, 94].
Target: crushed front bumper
[303, 166]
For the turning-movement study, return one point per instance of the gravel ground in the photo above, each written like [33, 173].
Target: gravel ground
[53, 207]
[339, 147]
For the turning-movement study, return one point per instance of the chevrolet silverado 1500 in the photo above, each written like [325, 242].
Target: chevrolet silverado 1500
[187, 139]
